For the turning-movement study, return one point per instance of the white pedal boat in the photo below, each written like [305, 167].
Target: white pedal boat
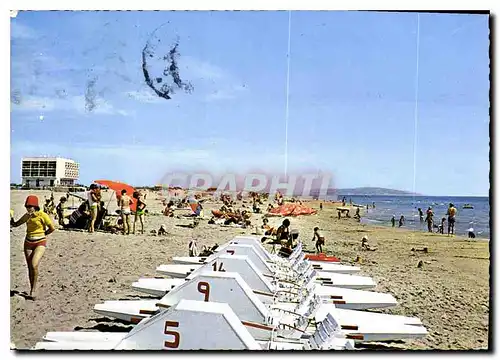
[344, 298]
[327, 279]
[194, 325]
[231, 288]
[327, 268]
[252, 241]
[135, 310]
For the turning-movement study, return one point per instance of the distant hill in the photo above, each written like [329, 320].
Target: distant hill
[366, 191]
[375, 191]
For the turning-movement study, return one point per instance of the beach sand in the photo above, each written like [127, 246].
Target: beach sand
[449, 293]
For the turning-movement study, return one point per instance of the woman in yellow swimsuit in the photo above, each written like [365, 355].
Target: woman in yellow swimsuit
[38, 227]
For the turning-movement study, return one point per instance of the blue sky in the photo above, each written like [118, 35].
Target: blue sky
[351, 104]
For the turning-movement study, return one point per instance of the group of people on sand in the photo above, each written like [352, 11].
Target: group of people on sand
[287, 238]
[227, 215]
[402, 220]
[124, 202]
[429, 219]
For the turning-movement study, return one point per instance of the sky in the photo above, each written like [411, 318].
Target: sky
[351, 102]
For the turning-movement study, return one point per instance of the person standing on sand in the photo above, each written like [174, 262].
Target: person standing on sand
[93, 201]
[321, 206]
[393, 220]
[38, 227]
[320, 240]
[452, 211]
[429, 219]
[139, 211]
[401, 220]
[124, 203]
[60, 211]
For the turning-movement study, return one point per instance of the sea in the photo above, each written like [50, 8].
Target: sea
[387, 206]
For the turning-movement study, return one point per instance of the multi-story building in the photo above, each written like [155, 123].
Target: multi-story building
[37, 172]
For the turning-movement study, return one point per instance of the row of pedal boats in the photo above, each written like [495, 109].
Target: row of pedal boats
[244, 298]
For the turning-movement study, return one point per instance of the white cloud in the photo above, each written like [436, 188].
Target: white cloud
[132, 155]
[20, 31]
[210, 81]
[34, 103]
[147, 164]
[145, 96]
[200, 69]
[229, 92]
[159, 154]
[70, 104]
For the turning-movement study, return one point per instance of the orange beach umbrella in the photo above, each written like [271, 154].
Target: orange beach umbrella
[117, 187]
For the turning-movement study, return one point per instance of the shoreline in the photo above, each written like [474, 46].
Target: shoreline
[387, 224]
[464, 237]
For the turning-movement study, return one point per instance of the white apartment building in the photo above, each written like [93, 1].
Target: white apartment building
[37, 172]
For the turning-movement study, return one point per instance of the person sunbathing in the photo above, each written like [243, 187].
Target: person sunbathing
[169, 211]
[79, 218]
[365, 246]
[268, 230]
[231, 220]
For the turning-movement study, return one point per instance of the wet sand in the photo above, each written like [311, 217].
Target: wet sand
[449, 292]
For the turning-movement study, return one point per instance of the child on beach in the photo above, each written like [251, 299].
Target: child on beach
[139, 212]
[60, 211]
[393, 220]
[268, 230]
[401, 220]
[38, 227]
[357, 215]
[320, 240]
[441, 226]
[421, 215]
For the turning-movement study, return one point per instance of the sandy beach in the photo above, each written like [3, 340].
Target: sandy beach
[449, 293]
